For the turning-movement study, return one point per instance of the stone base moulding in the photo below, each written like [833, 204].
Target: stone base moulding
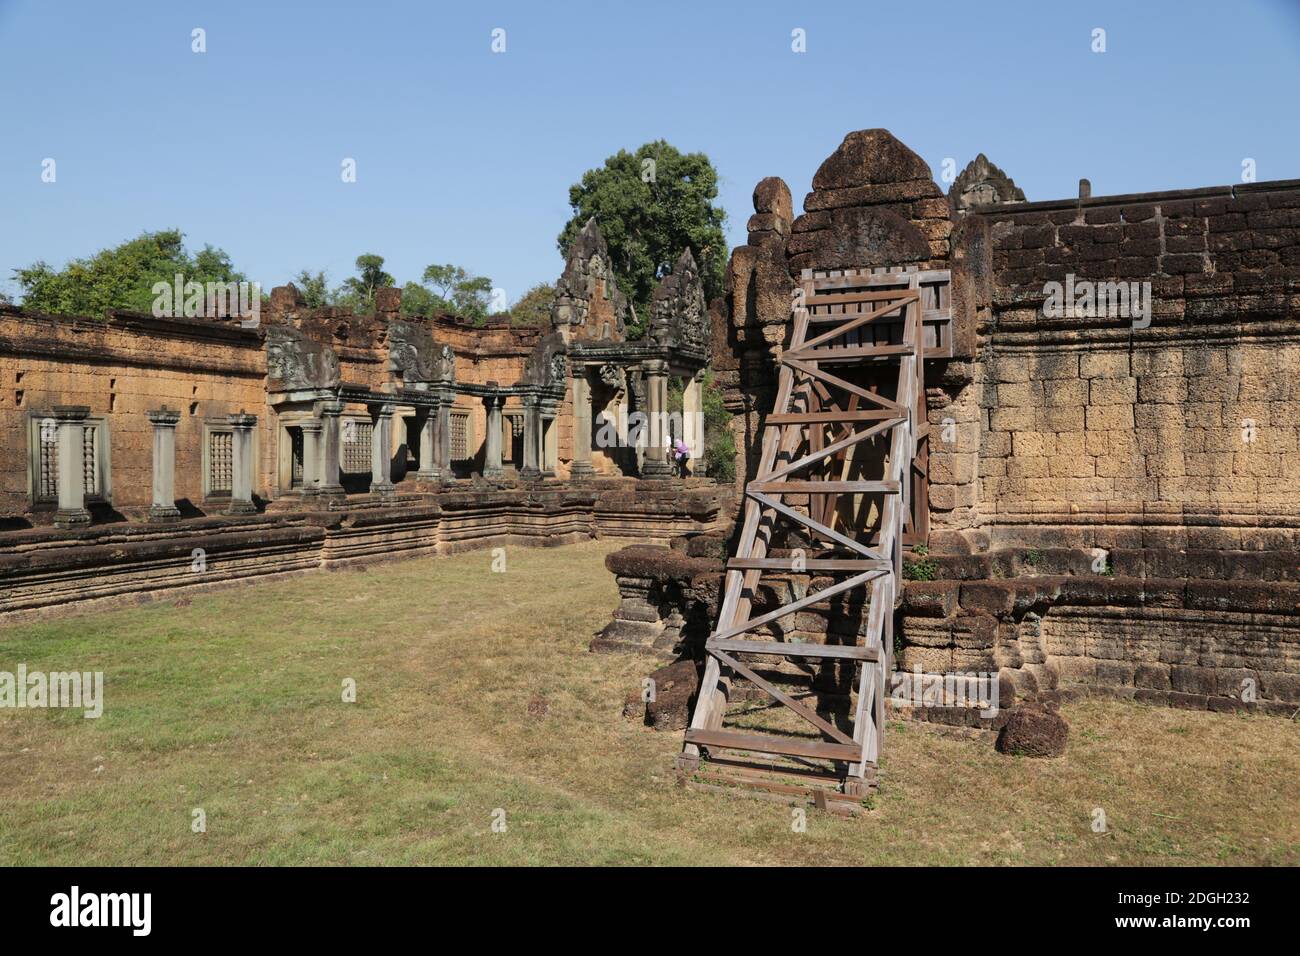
[48, 568]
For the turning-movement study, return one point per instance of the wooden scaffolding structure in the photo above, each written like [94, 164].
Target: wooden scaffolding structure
[843, 462]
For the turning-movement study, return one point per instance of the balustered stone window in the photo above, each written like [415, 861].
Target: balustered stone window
[355, 445]
[43, 458]
[514, 438]
[460, 435]
[218, 460]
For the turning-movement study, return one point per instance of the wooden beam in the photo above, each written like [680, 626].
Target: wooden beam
[831, 449]
[806, 564]
[852, 652]
[823, 487]
[814, 525]
[810, 369]
[836, 298]
[831, 415]
[825, 594]
[851, 353]
[779, 695]
[791, 747]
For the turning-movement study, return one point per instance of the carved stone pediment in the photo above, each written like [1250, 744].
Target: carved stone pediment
[413, 354]
[981, 183]
[548, 365]
[410, 351]
[589, 306]
[296, 362]
[678, 314]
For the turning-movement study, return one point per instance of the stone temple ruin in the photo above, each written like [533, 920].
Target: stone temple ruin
[1095, 488]
[143, 453]
[1107, 494]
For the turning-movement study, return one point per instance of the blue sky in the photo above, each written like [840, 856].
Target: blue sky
[466, 156]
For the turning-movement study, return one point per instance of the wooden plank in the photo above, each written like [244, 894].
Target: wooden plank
[901, 280]
[816, 433]
[833, 448]
[708, 706]
[841, 298]
[805, 418]
[814, 525]
[781, 696]
[850, 353]
[851, 652]
[823, 487]
[825, 594]
[807, 564]
[792, 747]
[810, 369]
[859, 320]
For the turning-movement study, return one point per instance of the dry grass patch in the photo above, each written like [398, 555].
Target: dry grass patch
[476, 692]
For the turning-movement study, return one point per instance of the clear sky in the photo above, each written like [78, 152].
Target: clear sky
[465, 156]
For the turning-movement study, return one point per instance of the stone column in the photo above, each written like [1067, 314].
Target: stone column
[532, 439]
[330, 448]
[492, 458]
[381, 449]
[243, 456]
[70, 421]
[428, 470]
[442, 445]
[312, 430]
[581, 467]
[164, 422]
[656, 390]
[547, 440]
[693, 418]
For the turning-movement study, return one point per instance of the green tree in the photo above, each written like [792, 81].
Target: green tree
[359, 291]
[314, 288]
[650, 205]
[471, 296]
[534, 306]
[719, 442]
[463, 292]
[417, 300]
[444, 279]
[121, 277]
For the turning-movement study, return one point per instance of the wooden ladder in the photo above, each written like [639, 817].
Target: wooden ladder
[837, 464]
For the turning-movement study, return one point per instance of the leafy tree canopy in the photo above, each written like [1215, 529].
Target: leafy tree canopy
[418, 300]
[314, 288]
[464, 292]
[650, 205]
[121, 277]
[358, 291]
[534, 306]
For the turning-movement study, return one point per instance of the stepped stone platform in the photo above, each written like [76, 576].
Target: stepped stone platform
[45, 567]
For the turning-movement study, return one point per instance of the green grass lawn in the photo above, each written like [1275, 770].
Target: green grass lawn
[232, 703]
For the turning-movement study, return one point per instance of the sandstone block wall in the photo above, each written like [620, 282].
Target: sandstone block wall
[1195, 415]
[125, 365]
[121, 368]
